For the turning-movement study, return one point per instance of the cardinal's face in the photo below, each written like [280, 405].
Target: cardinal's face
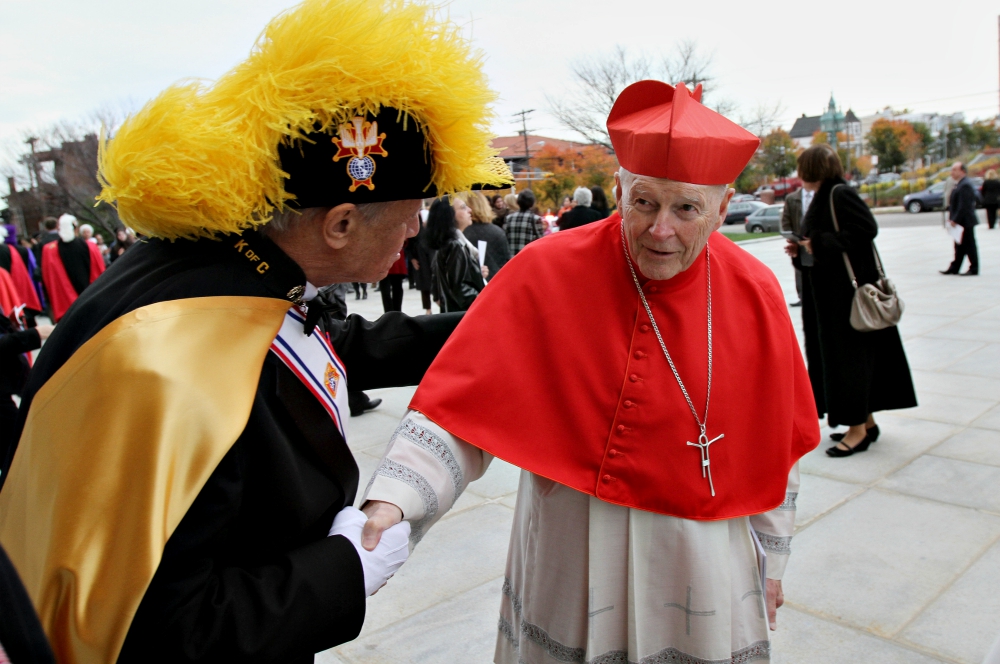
[668, 223]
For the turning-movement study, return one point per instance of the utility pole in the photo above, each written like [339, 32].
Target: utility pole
[33, 169]
[524, 132]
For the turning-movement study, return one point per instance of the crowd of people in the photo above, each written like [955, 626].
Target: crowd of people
[443, 261]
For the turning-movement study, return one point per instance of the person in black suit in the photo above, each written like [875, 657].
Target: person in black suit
[962, 212]
[581, 213]
[50, 235]
[991, 197]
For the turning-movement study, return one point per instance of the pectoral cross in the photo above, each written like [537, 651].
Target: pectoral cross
[706, 463]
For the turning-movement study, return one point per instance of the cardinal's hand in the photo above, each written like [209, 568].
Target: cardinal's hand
[775, 598]
[380, 561]
[381, 516]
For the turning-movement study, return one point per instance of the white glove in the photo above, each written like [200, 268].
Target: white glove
[390, 554]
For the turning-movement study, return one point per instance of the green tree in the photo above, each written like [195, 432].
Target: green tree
[777, 154]
[885, 143]
[983, 135]
[751, 178]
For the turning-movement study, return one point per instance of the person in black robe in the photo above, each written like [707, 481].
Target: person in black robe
[14, 367]
[212, 498]
[854, 374]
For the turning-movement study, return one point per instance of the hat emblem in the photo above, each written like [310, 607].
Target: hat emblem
[359, 140]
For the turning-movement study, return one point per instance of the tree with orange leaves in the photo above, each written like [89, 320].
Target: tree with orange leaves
[894, 142]
[588, 166]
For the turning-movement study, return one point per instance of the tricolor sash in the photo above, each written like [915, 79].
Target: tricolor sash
[313, 360]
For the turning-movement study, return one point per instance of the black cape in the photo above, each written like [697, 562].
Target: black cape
[250, 574]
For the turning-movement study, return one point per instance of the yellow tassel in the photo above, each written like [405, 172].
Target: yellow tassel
[201, 160]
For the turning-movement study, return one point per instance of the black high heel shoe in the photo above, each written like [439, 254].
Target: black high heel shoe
[860, 447]
[872, 433]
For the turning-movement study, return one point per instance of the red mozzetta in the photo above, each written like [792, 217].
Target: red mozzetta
[556, 369]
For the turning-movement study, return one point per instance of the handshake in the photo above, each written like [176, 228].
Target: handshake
[387, 554]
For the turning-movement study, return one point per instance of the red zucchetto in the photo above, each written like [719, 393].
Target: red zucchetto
[663, 131]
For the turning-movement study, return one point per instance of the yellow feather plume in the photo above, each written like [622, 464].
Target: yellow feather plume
[200, 160]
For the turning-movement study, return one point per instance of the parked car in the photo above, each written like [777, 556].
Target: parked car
[740, 198]
[889, 177]
[932, 198]
[738, 212]
[765, 220]
[780, 188]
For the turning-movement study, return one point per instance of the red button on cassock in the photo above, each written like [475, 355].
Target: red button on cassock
[653, 289]
[607, 478]
[639, 355]
[612, 453]
[621, 428]
[644, 328]
[628, 404]
[634, 378]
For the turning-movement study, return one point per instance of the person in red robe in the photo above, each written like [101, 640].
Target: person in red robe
[12, 262]
[644, 374]
[69, 266]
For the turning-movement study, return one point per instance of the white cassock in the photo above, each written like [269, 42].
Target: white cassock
[589, 581]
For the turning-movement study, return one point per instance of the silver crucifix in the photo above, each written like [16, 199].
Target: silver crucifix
[706, 463]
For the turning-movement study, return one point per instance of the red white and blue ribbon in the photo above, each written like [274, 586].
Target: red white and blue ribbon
[313, 360]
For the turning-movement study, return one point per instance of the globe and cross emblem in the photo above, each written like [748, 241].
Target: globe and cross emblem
[360, 140]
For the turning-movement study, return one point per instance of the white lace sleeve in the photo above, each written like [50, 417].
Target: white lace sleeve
[424, 471]
[775, 528]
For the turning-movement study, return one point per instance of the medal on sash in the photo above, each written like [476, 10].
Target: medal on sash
[315, 363]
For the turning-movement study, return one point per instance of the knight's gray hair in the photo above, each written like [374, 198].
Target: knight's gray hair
[583, 196]
[287, 218]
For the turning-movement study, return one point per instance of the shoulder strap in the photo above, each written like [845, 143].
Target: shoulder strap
[836, 227]
[847, 261]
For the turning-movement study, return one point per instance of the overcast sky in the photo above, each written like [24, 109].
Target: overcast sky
[62, 59]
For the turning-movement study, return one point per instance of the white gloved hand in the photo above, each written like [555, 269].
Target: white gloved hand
[390, 554]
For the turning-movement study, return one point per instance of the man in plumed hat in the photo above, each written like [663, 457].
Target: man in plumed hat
[658, 422]
[208, 517]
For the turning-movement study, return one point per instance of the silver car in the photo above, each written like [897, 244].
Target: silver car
[766, 219]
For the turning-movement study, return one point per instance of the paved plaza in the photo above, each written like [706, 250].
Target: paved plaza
[896, 557]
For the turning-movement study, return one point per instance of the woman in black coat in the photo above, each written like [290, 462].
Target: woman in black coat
[458, 278]
[991, 197]
[853, 374]
[482, 229]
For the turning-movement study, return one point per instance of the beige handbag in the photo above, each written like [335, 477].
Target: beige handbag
[875, 306]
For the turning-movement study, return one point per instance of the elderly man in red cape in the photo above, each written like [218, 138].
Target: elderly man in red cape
[646, 377]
